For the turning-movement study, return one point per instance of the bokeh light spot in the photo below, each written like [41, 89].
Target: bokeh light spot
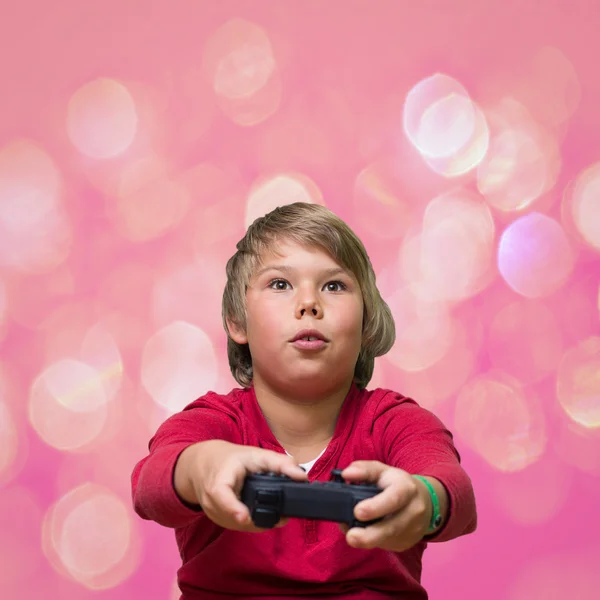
[67, 404]
[498, 177]
[178, 365]
[102, 119]
[522, 161]
[99, 350]
[469, 156]
[454, 115]
[439, 116]
[34, 232]
[424, 330]
[84, 555]
[255, 109]
[445, 377]
[29, 185]
[534, 255]
[495, 418]
[244, 58]
[578, 446]
[456, 246]
[240, 64]
[550, 86]
[585, 205]
[270, 192]
[88, 534]
[578, 382]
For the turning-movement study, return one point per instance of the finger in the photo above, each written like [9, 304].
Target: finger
[385, 534]
[364, 470]
[228, 502]
[358, 537]
[248, 525]
[392, 499]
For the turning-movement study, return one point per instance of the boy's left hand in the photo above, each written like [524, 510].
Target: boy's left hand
[404, 502]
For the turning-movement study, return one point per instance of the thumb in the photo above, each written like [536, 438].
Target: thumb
[364, 470]
[260, 460]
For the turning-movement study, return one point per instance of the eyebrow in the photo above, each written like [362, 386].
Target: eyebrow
[287, 269]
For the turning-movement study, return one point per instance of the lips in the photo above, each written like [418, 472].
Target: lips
[313, 334]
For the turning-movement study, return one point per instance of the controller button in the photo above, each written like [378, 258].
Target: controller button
[268, 497]
[265, 517]
[336, 476]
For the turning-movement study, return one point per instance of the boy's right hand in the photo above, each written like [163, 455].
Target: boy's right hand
[213, 472]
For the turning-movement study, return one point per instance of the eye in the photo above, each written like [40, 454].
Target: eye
[339, 283]
[277, 281]
[279, 285]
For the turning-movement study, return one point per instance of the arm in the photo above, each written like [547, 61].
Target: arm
[413, 439]
[182, 481]
[157, 478]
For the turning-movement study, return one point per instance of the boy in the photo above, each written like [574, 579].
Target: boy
[304, 321]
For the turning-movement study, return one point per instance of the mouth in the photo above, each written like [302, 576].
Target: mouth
[309, 335]
[309, 344]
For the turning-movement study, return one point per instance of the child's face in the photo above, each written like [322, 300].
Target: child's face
[302, 295]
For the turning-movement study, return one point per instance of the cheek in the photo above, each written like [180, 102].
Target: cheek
[351, 321]
[262, 324]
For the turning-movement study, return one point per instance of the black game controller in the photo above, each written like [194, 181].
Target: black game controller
[270, 496]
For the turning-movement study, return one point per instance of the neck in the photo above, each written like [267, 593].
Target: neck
[300, 422]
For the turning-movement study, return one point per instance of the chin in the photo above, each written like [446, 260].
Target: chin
[307, 377]
[313, 382]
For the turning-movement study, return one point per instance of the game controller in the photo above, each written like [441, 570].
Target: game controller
[270, 496]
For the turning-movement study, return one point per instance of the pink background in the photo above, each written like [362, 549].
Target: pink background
[137, 141]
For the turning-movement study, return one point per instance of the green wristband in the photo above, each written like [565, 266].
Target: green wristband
[436, 517]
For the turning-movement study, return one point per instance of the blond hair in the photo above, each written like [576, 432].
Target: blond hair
[310, 225]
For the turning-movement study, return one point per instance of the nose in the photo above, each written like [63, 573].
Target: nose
[309, 305]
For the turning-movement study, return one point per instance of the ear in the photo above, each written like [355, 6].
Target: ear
[236, 332]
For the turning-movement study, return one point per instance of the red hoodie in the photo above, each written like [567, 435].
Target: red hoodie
[306, 557]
